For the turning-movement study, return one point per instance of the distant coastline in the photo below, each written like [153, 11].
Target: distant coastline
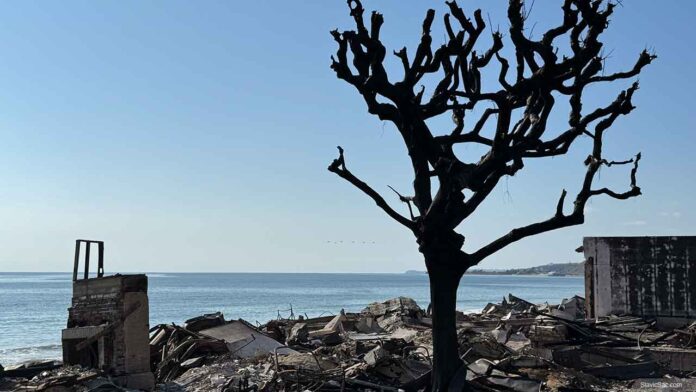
[553, 269]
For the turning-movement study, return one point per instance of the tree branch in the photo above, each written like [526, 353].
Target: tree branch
[560, 220]
[338, 166]
[644, 59]
[404, 199]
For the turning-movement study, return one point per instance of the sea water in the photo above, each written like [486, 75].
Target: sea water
[33, 306]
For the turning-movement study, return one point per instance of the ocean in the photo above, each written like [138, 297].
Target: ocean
[33, 306]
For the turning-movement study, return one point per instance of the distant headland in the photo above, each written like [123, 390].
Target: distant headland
[553, 269]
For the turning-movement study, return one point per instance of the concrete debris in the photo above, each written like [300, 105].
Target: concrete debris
[307, 361]
[368, 325]
[298, 334]
[245, 341]
[401, 306]
[513, 346]
[571, 309]
[172, 346]
[375, 356]
[29, 369]
[51, 376]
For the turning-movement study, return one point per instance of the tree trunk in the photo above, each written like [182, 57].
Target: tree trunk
[444, 281]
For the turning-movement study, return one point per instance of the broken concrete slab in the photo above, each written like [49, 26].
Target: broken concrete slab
[407, 335]
[368, 325]
[336, 324]
[546, 334]
[517, 341]
[357, 336]
[29, 369]
[376, 355]
[245, 341]
[326, 337]
[501, 334]
[570, 309]
[306, 361]
[401, 305]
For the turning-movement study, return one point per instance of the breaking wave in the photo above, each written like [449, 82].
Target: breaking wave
[9, 356]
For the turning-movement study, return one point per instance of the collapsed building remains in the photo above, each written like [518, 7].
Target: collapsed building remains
[108, 323]
[514, 345]
[652, 277]
[612, 343]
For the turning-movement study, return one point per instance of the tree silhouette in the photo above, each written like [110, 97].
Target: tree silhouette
[512, 126]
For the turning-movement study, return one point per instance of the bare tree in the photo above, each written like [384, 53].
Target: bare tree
[512, 128]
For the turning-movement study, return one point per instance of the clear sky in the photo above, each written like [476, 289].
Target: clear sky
[195, 136]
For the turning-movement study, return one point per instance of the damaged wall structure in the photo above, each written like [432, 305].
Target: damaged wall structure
[652, 277]
[108, 325]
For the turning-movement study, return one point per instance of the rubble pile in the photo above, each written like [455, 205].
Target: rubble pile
[176, 349]
[377, 349]
[51, 376]
[513, 345]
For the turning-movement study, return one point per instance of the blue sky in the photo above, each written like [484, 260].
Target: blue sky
[195, 136]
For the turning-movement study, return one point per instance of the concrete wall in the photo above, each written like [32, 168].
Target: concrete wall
[643, 276]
